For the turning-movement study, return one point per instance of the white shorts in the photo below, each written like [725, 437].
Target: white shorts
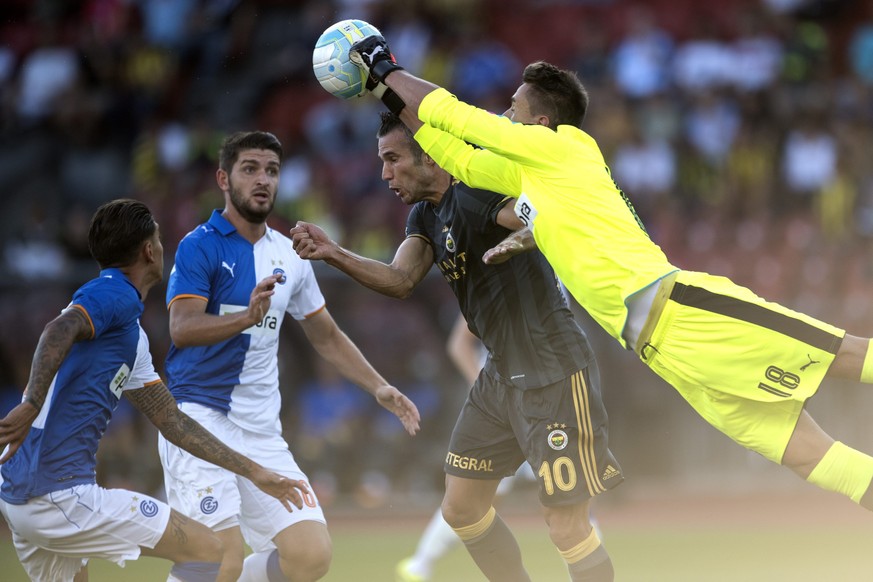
[221, 499]
[56, 533]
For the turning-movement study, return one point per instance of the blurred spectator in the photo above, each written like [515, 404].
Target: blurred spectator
[809, 159]
[641, 59]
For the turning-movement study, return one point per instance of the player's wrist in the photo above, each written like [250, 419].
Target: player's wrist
[33, 402]
[382, 68]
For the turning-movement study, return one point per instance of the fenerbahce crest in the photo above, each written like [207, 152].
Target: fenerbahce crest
[450, 242]
[558, 439]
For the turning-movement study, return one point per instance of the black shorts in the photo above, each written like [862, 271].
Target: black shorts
[561, 429]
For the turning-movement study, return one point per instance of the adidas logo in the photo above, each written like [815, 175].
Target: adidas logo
[609, 473]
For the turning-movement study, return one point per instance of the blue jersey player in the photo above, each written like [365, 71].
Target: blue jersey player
[233, 282]
[87, 357]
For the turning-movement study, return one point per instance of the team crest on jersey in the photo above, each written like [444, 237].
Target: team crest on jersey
[283, 278]
[208, 505]
[558, 439]
[148, 508]
[450, 242]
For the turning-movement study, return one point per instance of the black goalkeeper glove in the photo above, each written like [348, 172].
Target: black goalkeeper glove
[373, 56]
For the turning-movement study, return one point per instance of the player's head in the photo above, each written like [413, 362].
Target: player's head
[409, 171]
[549, 96]
[246, 140]
[119, 230]
[248, 173]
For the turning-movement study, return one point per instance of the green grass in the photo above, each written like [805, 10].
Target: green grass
[819, 538]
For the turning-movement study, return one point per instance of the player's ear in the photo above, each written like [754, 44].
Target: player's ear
[543, 120]
[222, 179]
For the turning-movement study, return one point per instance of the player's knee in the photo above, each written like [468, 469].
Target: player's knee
[567, 528]
[307, 561]
[459, 515]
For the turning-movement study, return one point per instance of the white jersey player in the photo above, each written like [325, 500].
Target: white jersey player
[233, 282]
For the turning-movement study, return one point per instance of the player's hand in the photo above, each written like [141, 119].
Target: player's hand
[373, 56]
[311, 242]
[504, 251]
[289, 492]
[259, 301]
[403, 408]
[14, 428]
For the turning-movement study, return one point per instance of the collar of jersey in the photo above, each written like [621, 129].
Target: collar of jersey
[223, 225]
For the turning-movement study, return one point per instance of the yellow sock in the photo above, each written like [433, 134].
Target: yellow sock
[582, 549]
[867, 370]
[844, 470]
[473, 531]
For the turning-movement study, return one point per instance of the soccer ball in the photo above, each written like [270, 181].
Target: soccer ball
[330, 59]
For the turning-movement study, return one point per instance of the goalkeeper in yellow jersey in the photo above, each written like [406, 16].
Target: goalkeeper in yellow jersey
[746, 365]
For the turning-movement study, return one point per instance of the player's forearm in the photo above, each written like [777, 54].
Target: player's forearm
[372, 274]
[206, 329]
[160, 407]
[410, 89]
[348, 360]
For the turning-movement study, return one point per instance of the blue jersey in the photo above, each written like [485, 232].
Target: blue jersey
[60, 449]
[239, 376]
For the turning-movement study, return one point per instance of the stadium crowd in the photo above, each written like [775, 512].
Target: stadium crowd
[741, 130]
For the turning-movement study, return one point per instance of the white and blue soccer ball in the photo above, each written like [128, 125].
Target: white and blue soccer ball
[330, 58]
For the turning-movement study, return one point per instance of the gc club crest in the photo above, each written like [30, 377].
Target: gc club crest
[208, 505]
[558, 439]
[148, 508]
[280, 272]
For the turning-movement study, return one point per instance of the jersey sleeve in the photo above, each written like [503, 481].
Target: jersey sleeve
[480, 207]
[415, 225]
[99, 304]
[307, 298]
[477, 167]
[143, 373]
[532, 146]
[191, 273]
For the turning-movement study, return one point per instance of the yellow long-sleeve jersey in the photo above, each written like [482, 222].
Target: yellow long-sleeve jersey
[581, 220]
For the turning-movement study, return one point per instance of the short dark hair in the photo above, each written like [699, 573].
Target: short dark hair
[117, 231]
[558, 94]
[391, 122]
[246, 140]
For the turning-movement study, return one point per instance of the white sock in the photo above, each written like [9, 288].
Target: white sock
[436, 541]
[255, 567]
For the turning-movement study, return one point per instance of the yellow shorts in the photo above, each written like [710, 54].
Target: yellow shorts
[746, 365]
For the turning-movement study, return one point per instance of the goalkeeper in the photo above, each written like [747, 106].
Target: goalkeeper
[746, 365]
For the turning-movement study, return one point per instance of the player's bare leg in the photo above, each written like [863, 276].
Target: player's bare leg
[829, 464]
[233, 555]
[578, 543]
[304, 551]
[188, 543]
[81, 575]
[468, 508]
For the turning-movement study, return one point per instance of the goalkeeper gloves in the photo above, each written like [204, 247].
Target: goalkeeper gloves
[374, 57]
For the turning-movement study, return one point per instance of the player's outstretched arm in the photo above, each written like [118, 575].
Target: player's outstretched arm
[54, 345]
[190, 325]
[411, 263]
[518, 242]
[374, 57]
[156, 402]
[336, 347]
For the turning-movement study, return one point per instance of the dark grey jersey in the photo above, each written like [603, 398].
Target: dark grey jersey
[517, 308]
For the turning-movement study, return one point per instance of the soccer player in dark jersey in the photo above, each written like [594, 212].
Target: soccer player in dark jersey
[745, 364]
[538, 394]
[88, 357]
